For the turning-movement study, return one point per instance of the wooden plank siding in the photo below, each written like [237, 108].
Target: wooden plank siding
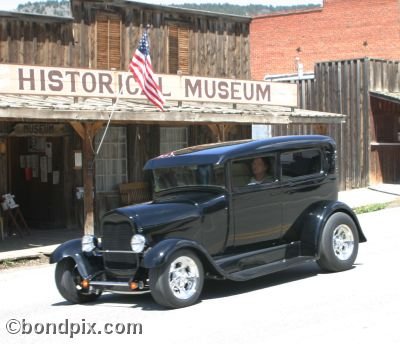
[385, 146]
[385, 123]
[343, 87]
[36, 41]
[105, 35]
[340, 87]
[209, 45]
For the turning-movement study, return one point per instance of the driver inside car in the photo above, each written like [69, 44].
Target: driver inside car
[260, 168]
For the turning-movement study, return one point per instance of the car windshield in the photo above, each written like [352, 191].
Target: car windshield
[183, 176]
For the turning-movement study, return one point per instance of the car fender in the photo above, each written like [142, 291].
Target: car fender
[160, 253]
[315, 218]
[72, 249]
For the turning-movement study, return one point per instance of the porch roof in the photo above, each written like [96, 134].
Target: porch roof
[57, 108]
[386, 95]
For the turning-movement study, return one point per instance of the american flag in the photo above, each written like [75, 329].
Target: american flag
[142, 71]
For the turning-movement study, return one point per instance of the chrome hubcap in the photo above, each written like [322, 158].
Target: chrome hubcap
[343, 242]
[183, 277]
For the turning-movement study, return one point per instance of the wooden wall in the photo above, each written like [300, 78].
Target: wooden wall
[218, 44]
[385, 122]
[343, 87]
[384, 75]
[340, 87]
[37, 40]
[385, 145]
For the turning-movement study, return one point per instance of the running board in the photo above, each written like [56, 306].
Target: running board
[270, 268]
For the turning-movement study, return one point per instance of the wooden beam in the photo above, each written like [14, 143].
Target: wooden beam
[96, 127]
[187, 116]
[93, 128]
[79, 128]
[88, 176]
[215, 131]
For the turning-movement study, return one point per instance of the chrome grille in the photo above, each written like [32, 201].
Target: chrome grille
[117, 234]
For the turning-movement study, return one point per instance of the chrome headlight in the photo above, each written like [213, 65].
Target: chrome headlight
[89, 243]
[137, 243]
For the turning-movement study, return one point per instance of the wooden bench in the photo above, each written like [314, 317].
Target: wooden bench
[136, 192]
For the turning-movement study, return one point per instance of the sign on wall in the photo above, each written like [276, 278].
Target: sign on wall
[56, 81]
[34, 130]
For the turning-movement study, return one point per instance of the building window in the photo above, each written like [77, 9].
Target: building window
[108, 36]
[111, 163]
[178, 49]
[172, 139]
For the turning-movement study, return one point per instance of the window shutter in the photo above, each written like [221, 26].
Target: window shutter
[183, 54]
[108, 35]
[173, 63]
[178, 49]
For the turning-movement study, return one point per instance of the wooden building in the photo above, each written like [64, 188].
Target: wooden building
[49, 131]
[367, 91]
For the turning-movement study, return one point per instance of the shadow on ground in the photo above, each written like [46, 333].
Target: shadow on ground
[37, 238]
[212, 289]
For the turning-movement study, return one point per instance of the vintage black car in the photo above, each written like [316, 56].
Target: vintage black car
[232, 210]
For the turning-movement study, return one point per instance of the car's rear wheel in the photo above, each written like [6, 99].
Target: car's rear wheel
[177, 283]
[68, 281]
[339, 243]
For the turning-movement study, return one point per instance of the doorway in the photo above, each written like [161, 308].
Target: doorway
[385, 142]
[37, 180]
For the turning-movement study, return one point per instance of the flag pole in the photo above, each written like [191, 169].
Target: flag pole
[113, 109]
[109, 119]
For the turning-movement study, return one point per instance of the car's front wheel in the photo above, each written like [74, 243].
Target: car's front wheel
[68, 281]
[178, 282]
[339, 243]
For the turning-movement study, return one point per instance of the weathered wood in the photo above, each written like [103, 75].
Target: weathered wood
[79, 128]
[3, 168]
[187, 115]
[343, 87]
[68, 181]
[88, 176]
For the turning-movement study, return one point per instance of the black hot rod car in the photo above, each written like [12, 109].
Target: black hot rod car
[231, 210]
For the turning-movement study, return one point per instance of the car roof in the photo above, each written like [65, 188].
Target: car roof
[218, 153]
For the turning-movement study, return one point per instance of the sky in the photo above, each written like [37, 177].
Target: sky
[9, 5]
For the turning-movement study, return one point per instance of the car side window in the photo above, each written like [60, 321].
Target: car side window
[300, 163]
[254, 171]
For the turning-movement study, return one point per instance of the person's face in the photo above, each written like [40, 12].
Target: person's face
[258, 167]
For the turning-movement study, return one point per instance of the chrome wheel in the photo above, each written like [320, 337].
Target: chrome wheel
[343, 242]
[183, 277]
[338, 243]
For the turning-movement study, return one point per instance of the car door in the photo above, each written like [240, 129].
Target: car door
[255, 208]
[303, 183]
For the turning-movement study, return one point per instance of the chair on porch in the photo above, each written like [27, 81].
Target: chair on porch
[11, 212]
[135, 192]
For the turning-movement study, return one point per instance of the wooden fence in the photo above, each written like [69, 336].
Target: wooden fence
[343, 87]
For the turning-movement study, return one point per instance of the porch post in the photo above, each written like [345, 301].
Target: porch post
[88, 175]
[87, 132]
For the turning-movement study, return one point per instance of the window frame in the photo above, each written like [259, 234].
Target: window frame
[305, 176]
[113, 58]
[183, 54]
[172, 143]
[252, 187]
[123, 177]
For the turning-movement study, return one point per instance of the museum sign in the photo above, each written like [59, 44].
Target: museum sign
[56, 81]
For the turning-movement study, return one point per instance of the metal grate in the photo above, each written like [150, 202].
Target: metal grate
[117, 236]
